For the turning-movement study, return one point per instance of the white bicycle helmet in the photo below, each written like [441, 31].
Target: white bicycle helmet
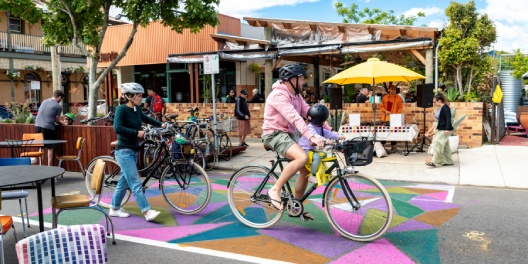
[132, 87]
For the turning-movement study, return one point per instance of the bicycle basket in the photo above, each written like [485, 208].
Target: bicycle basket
[358, 151]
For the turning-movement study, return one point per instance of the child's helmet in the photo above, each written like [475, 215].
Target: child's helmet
[70, 118]
[318, 114]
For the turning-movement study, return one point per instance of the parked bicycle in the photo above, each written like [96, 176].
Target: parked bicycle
[214, 144]
[184, 184]
[108, 119]
[357, 206]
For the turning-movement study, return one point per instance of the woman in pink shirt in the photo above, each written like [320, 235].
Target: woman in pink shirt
[283, 115]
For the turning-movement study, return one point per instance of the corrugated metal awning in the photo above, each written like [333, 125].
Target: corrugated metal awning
[245, 55]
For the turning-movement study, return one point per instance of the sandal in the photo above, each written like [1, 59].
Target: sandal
[305, 216]
[276, 201]
[428, 163]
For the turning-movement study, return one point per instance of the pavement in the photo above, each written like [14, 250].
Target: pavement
[500, 165]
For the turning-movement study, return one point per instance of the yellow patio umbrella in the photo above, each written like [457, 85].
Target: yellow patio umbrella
[374, 71]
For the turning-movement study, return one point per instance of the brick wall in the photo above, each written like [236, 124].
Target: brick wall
[470, 130]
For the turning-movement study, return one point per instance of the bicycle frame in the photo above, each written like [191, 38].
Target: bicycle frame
[278, 162]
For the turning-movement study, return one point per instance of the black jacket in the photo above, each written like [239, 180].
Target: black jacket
[257, 98]
[444, 120]
[361, 98]
[230, 99]
[241, 109]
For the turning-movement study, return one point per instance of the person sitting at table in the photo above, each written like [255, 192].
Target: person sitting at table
[391, 104]
[50, 113]
[363, 95]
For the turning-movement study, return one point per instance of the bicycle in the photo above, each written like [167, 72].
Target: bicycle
[211, 141]
[108, 118]
[184, 184]
[357, 206]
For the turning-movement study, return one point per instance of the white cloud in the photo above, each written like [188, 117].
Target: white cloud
[428, 11]
[436, 24]
[511, 37]
[511, 23]
[510, 11]
[244, 8]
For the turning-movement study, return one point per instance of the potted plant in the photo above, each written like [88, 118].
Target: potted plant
[454, 139]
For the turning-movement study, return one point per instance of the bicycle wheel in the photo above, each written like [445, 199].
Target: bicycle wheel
[247, 195]
[146, 154]
[209, 159]
[198, 156]
[370, 213]
[186, 187]
[225, 147]
[111, 177]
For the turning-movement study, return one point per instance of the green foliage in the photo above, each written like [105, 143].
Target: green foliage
[471, 97]
[352, 14]
[452, 94]
[254, 68]
[207, 94]
[456, 122]
[520, 64]
[7, 121]
[84, 24]
[462, 47]
[19, 111]
[30, 120]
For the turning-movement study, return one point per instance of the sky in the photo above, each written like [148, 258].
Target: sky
[509, 16]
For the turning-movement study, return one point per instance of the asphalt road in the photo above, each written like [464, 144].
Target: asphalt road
[488, 228]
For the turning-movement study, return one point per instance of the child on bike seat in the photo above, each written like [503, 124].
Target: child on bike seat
[317, 115]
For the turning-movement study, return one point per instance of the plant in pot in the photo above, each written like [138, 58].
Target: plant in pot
[455, 139]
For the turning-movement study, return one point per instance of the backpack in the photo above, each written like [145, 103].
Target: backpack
[157, 103]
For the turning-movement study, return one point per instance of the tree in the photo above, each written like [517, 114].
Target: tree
[84, 24]
[373, 16]
[462, 47]
[520, 64]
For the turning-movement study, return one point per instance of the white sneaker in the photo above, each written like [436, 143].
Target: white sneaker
[119, 213]
[151, 215]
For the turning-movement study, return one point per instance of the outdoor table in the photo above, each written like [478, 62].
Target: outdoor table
[406, 133]
[5, 144]
[30, 177]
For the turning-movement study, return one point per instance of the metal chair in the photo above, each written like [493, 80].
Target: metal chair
[78, 147]
[79, 201]
[66, 244]
[34, 154]
[6, 222]
[19, 194]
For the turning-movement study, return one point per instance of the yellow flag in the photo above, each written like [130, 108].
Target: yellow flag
[497, 95]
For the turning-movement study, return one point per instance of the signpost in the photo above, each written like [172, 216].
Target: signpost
[211, 65]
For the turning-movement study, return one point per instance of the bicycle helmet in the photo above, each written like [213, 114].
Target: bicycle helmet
[287, 72]
[69, 118]
[132, 88]
[318, 114]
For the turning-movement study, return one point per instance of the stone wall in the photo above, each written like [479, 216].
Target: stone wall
[470, 130]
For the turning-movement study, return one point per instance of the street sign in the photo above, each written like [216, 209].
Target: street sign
[211, 64]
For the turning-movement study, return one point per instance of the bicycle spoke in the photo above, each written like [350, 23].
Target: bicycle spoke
[363, 218]
[249, 205]
[186, 187]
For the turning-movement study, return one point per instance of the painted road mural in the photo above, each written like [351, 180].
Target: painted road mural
[412, 237]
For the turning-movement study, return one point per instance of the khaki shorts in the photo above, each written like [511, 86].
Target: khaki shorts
[279, 141]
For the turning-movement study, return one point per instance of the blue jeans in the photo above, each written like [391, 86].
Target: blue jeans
[129, 179]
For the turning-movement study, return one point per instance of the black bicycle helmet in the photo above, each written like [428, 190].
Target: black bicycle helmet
[290, 71]
[318, 114]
